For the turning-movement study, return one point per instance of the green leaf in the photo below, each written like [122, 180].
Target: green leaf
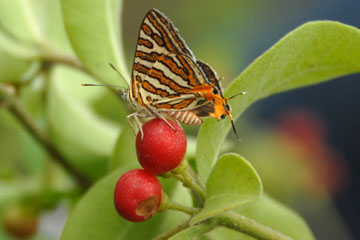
[35, 22]
[313, 53]
[17, 17]
[86, 138]
[95, 217]
[68, 105]
[17, 189]
[124, 151]
[271, 213]
[12, 68]
[93, 27]
[17, 49]
[232, 183]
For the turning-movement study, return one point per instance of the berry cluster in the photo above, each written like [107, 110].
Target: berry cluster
[138, 192]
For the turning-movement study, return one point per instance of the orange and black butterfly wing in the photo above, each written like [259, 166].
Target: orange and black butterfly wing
[211, 75]
[165, 33]
[164, 67]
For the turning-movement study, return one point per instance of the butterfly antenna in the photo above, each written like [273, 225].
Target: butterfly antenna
[113, 67]
[101, 85]
[238, 94]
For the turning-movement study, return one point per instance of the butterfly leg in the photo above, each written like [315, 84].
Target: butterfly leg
[163, 118]
[139, 124]
[177, 121]
[136, 116]
[130, 123]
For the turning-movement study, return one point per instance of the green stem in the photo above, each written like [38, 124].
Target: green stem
[168, 234]
[248, 226]
[54, 57]
[184, 174]
[190, 181]
[197, 230]
[15, 107]
[175, 206]
[196, 178]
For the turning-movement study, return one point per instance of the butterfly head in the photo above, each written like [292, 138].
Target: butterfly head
[222, 109]
[124, 93]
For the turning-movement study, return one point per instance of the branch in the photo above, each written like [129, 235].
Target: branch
[54, 57]
[186, 175]
[15, 107]
[248, 226]
[168, 234]
[178, 207]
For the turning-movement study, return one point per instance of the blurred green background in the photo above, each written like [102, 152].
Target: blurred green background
[309, 136]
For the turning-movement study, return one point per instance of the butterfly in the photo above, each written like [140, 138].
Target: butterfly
[167, 80]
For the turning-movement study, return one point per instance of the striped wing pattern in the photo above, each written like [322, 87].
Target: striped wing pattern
[168, 80]
[166, 76]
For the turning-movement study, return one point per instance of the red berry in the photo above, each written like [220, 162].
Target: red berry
[137, 195]
[162, 148]
[20, 221]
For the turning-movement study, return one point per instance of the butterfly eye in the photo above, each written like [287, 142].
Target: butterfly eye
[124, 94]
[215, 91]
[223, 116]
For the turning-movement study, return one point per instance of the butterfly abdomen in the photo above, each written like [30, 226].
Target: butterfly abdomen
[186, 117]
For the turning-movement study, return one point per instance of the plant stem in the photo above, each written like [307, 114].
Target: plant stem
[168, 234]
[175, 206]
[66, 60]
[248, 226]
[189, 180]
[15, 107]
[185, 174]
[195, 176]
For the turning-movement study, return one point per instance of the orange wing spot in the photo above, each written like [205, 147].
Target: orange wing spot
[156, 74]
[177, 38]
[140, 68]
[173, 66]
[163, 105]
[139, 99]
[133, 88]
[163, 19]
[149, 99]
[206, 91]
[138, 79]
[146, 29]
[158, 40]
[146, 56]
[173, 96]
[191, 76]
[148, 87]
[183, 104]
[168, 82]
[219, 108]
[163, 33]
[161, 93]
[145, 42]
